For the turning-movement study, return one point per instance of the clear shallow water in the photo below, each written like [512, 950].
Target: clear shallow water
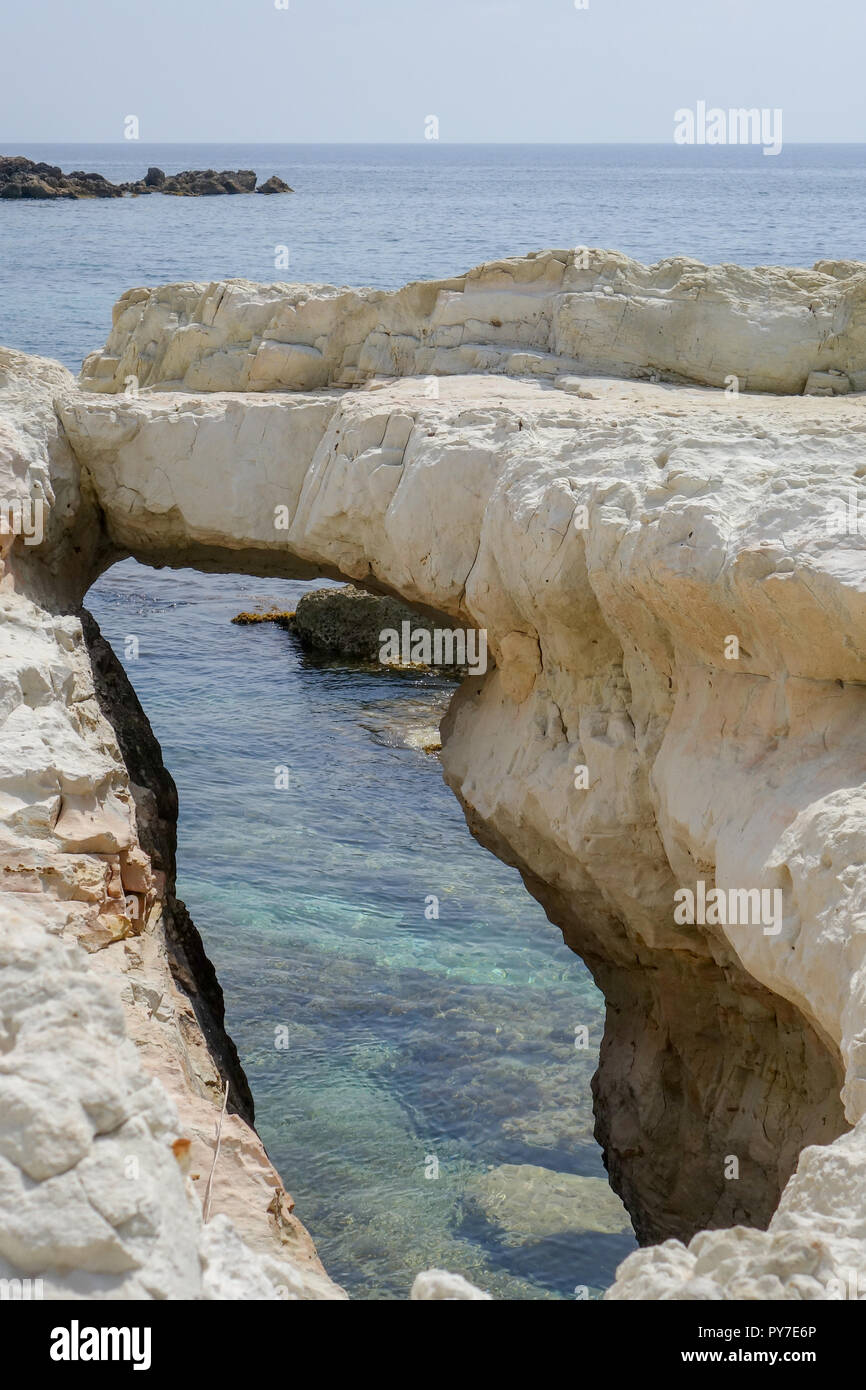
[382, 215]
[408, 1039]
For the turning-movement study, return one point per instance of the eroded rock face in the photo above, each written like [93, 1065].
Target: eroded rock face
[545, 315]
[610, 544]
[672, 584]
[113, 1057]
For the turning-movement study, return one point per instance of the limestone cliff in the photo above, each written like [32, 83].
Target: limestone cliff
[672, 584]
[113, 1055]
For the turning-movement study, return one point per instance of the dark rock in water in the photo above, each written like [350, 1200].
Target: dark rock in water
[198, 183]
[274, 185]
[24, 178]
[350, 622]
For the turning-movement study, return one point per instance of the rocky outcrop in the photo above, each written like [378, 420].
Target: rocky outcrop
[113, 1055]
[671, 583]
[204, 183]
[24, 178]
[274, 185]
[545, 316]
[350, 622]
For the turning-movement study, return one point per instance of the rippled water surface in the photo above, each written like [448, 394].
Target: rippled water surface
[385, 214]
[412, 1042]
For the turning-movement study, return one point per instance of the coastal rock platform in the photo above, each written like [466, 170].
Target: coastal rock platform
[670, 572]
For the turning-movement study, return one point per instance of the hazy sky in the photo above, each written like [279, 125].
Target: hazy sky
[372, 70]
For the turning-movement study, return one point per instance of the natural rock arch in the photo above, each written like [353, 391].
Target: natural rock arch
[611, 541]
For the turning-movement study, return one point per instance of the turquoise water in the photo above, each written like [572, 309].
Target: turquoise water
[409, 1039]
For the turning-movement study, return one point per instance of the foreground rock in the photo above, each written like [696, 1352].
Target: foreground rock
[609, 547]
[113, 1054]
[24, 178]
[672, 584]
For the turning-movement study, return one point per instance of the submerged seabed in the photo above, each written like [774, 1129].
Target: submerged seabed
[384, 1046]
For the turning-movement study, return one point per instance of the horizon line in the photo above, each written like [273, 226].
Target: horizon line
[388, 144]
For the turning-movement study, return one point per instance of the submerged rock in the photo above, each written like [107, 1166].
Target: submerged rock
[274, 615]
[532, 1203]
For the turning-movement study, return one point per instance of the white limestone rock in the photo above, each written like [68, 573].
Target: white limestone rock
[547, 314]
[439, 1284]
[611, 546]
[704, 516]
[95, 1033]
[828, 384]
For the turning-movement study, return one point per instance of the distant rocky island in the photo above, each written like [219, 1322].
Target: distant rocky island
[24, 178]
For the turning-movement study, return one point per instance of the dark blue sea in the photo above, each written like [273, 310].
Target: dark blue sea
[382, 215]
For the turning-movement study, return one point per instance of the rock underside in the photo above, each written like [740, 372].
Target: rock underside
[613, 536]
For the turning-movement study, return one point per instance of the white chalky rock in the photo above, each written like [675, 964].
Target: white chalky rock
[108, 1097]
[673, 586]
[545, 314]
[439, 1284]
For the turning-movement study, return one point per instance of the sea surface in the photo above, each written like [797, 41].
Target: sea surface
[400, 1061]
[382, 215]
[398, 1058]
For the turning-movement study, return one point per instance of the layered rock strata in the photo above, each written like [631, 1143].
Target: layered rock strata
[671, 580]
[544, 316]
